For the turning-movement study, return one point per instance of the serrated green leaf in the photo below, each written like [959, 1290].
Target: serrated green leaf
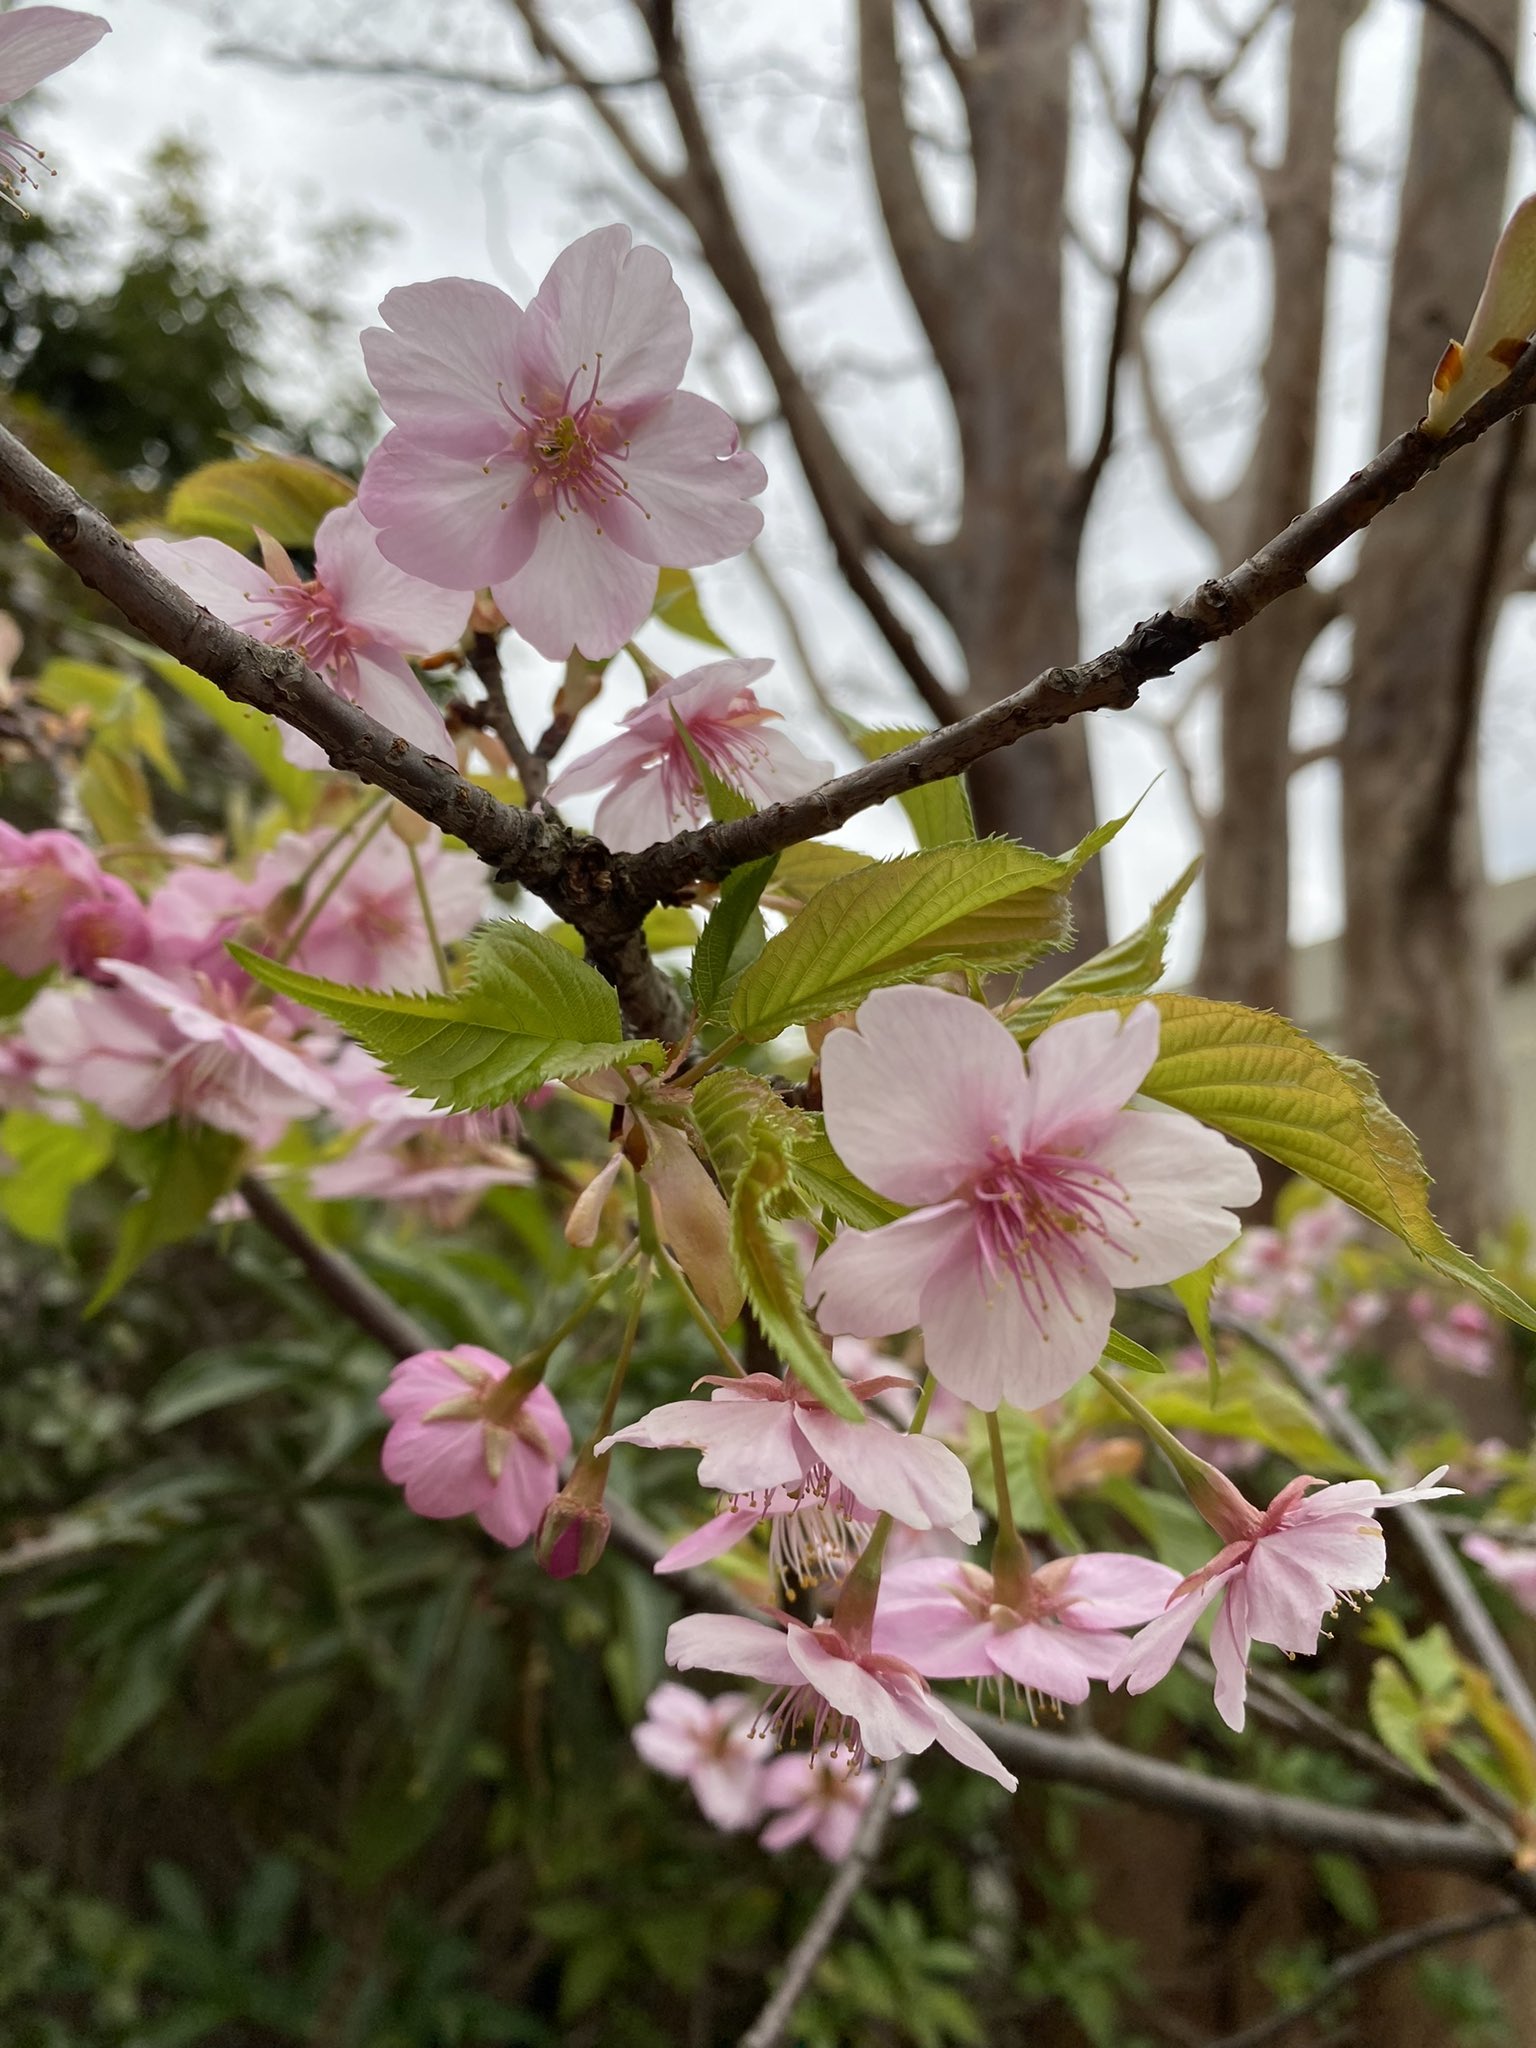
[1132, 966]
[726, 945]
[940, 812]
[825, 1183]
[286, 495]
[989, 905]
[184, 1169]
[677, 605]
[530, 1014]
[750, 1137]
[1122, 1350]
[1262, 1080]
[804, 869]
[42, 1163]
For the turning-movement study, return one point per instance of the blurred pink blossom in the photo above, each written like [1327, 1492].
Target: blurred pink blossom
[709, 1744]
[44, 876]
[548, 452]
[353, 622]
[370, 932]
[1510, 1564]
[654, 789]
[457, 1451]
[1038, 1192]
[816, 1802]
[1458, 1334]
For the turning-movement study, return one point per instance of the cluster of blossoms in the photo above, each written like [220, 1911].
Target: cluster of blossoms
[542, 467]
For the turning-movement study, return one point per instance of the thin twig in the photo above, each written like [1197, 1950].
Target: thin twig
[1392, 1948]
[1120, 321]
[485, 660]
[772, 2023]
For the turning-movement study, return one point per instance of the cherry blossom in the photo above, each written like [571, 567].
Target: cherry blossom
[405, 1150]
[820, 1804]
[868, 1704]
[654, 788]
[35, 43]
[464, 1442]
[760, 1433]
[1050, 1634]
[147, 1048]
[548, 452]
[368, 930]
[1037, 1192]
[1509, 1563]
[1279, 1575]
[354, 621]
[809, 1539]
[45, 879]
[1458, 1334]
[709, 1744]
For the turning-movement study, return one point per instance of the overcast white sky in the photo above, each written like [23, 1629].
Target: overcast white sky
[494, 190]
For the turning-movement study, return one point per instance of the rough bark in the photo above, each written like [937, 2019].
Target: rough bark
[1420, 982]
[1247, 878]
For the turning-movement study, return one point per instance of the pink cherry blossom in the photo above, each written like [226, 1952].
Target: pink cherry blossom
[408, 1151]
[370, 932]
[195, 910]
[1280, 1574]
[1458, 1334]
[34, 44]
[869, 1704]
[709, 1744]
[548, 452]
[113, 923]
[820, 1804]
[654, 789]
[760, 1433]
[147, 1048]
[456, 1452]
[1051, 1636]
[1509, 1563]
[44, 876]
[809, 1539]
[354, 621]
[1037, 1193]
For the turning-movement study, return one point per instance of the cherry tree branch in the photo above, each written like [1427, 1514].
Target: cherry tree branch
[772, 2023]
[1392, 1948]
[1109, 681]
[485, 660]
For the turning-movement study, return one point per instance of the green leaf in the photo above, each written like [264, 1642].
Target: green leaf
[184, 1169]
[804, 869]
[211, 1379]
[677, 605]
[257, 736]
[286, 495]
[16, 991]
[940, 811]
[750, 1137]
[1396, 1716]
[989, 905]
[1129, 968]
[44, 1163]
[530, 1014]
[1253, 1408]
[824, 1181]
[1261, 1079]
[732, 938]
[114, 794]
[1123, 1350]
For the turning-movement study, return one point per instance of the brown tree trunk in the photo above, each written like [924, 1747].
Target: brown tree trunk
[1246, 955]
[1420, 990]
[1011, 572]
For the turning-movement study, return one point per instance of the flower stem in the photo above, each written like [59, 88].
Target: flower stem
[427, 918]
[722, 1051]
[529, 1370]
[1010, 1559]
[1211, 1492]
[924, 1402]
[621, 1364]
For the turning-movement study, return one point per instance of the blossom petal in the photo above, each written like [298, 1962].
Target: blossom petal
[223, 582]
[604, 304]
[441, 1465]
[1230, 1645]
[1058, 1662]
[445, 520]
[1112, 1589]
[402, 611]
[749, 1446]
[1151, 1653]
[966, 1746]
[41, 40]
[1286, 1597]
[922, 1093]
[725, 1642]
[449, 349]
[1084, 1069]
[1180, 1181]
[986, 1341]
[916, 1479]
[388, 691]
[690, 485]
[710, 1540]
[891, 1715]
[577, 588]
[526, 1485]
[869, 1283]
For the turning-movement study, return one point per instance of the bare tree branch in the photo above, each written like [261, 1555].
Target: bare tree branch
[416, 71]
[1120, 320]
[1392, 1948]
[931, 266]
[954, 57]
[485, 660]
[772, 2023]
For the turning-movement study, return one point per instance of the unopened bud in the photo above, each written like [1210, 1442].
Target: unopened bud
[572, 1536]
